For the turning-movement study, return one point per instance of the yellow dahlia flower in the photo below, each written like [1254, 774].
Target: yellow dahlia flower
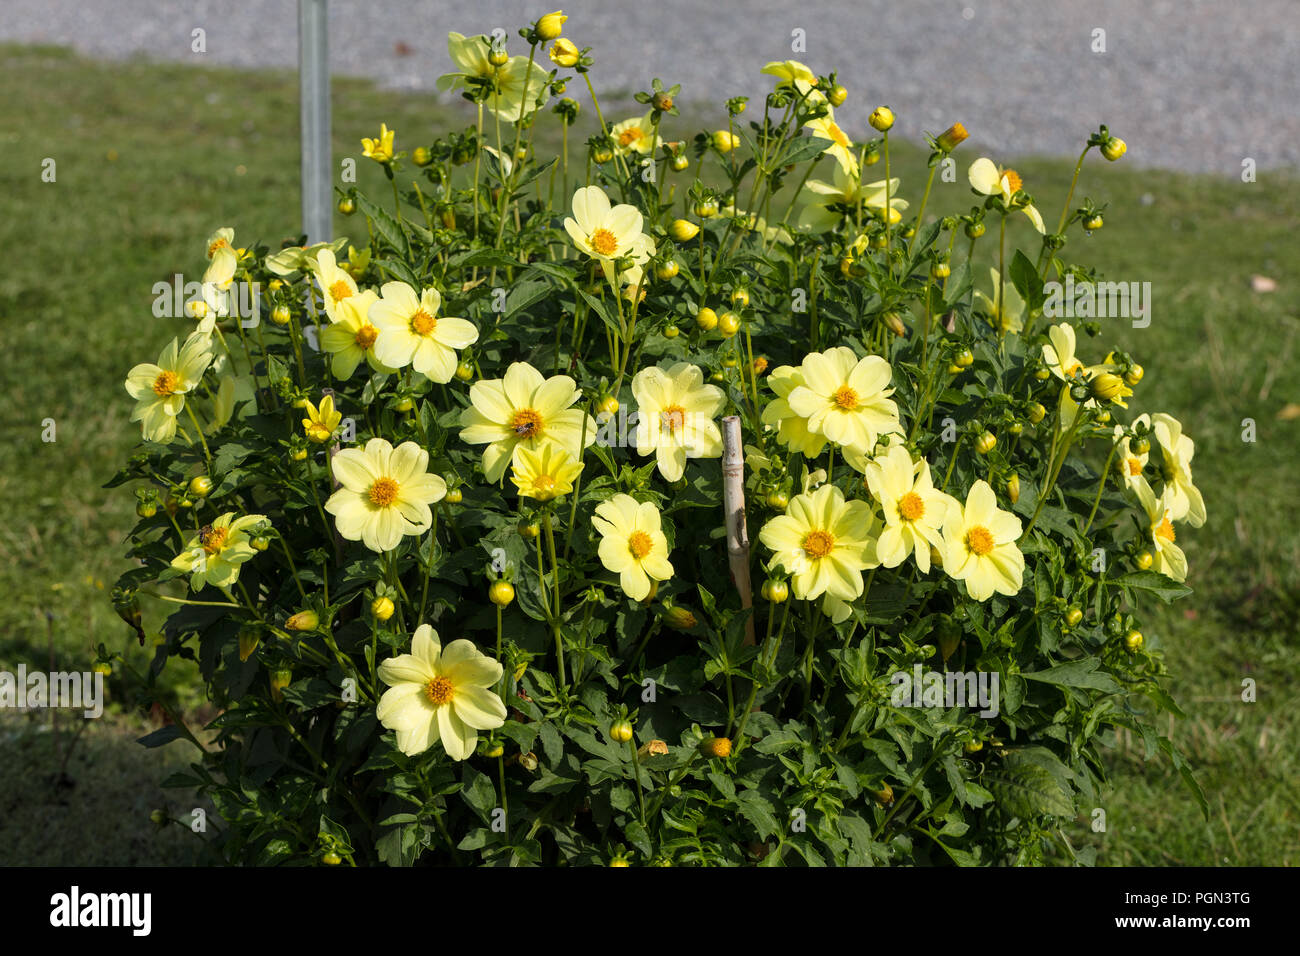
[979, 545]
[214, 555]
[914, 509]
[524, 409]
[1012, 317]
[841, 147]
[1131, 464]
[1176, 451]
[384, 493]
[603, 232]
[824, 543]
[224, 261]
[636, 135]
[564, 52]
[1169, 559]
[159, 390]
[320, 423]
[988, 178]
[835, 200]
[791, 429]
[544, 473]
[790, 73]
[516, 88]
[335, 283]
[412, 333]
[846, 398]
[440, 695]
[381, 149]
[301, 258]
[676, 416]
[632, 543]
[352, 337]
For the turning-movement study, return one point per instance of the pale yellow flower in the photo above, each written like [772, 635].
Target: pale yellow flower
[516, 88]
[846, 398]
[632, 544]
[676, 413]
[1168, 558]
[988, 178]
[438, 694]
[1176, 451]
[214, 555]
[335, 283]
[791, 428]
[602, 231]
[412, 333]
[835, 200]
[914, 509]
[384, 493]
[224, 261]
[1131, 464]
[352, 337]
[159, 390]
[636, 135]
[979, 545]
[824, 543]
[1010, 318]
[841, 147]
[523, 408]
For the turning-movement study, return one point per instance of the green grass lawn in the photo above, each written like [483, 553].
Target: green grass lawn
[151, 158]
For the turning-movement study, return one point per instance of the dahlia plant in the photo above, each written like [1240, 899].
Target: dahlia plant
[446, 536]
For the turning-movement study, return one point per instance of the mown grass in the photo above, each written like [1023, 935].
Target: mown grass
[151, 158]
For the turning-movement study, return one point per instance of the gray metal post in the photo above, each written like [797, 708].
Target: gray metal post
[314, 94]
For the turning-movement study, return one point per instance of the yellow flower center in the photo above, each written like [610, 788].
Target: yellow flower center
[440, 691]
[340, 290]
[165, 384]
[837, 134]
[979, 540]
[629, 136]
[1014, 182]
[845, 398]
[818, 544]
[527, 423]
[366, 335]
[1165, 529]
[544, 484]
[1135, 466]
[604, 242]
[318, 433]
[1072, 368]
[215, 245]
[422, 323]
[213, 539]
[910, 506]
[673, 417]
[383, 492]
[639, 544]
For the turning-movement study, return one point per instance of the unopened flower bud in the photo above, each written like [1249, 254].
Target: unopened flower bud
[882, 118]
[550, 26]
[952, 137]
[382, 608]
[683, 230]
[719, 747]
[303, 621]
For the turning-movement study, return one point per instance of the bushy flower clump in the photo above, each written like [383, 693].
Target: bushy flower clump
[446, 534]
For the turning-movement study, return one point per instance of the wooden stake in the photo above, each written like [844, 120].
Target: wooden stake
[733, 506]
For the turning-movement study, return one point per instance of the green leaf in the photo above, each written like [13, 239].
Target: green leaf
[1075, 674]
[1167, 589]
[161, 736]
[758, 811]
[385, 226]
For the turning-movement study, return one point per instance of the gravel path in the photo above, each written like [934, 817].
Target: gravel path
[1190, 84]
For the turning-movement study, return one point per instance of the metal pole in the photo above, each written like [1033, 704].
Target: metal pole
[314, 96]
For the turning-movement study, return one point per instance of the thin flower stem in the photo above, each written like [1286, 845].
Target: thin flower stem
[1101, 485]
